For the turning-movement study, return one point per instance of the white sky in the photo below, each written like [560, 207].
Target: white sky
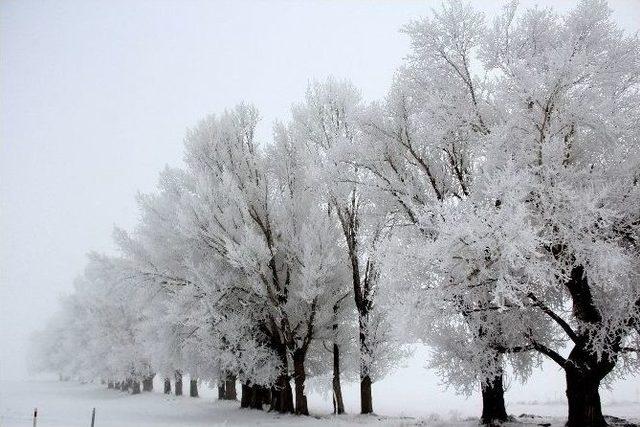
[95, 98]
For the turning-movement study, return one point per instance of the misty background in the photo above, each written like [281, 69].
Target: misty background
[95, 98]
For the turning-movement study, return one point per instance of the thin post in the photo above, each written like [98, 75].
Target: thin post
[93, 417]
[35, 416]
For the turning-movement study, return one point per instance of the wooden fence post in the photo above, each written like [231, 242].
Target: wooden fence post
[35, 417]
[93, 417]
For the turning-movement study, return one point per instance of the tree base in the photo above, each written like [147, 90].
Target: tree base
[193, 388]
[583, 396]
[366, 401]
[494, 412]
[178, 385]
[135, 387]
[147, 383]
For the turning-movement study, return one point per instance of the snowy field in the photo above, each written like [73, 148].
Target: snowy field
[410, 396]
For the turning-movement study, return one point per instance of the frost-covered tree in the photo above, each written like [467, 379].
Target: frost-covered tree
[569, 98]
[496, 188]
[256, 209]
[99, 333]
[327, 124]
[546, 232]
[159, 259]
[190, 299]
[422, 148]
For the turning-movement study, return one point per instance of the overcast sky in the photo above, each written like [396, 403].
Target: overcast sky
[96, 97]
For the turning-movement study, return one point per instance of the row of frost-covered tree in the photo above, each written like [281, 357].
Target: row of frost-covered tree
[488, 207]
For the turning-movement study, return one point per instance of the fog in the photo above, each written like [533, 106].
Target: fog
[96, 97]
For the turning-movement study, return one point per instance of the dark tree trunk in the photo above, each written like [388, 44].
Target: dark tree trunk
[246, 396]
[230, 387]
[362, 287]
[584, 372]
[220, 385]
[167, 386]
[281, 393]
[583, 397]
[147, 383]
[256, 397]
[494, 412]
[583, 369]
[259, 396]
[299, 377]
[135, 387]
[366, 403]
[266, 395]
[178, 383]
[117, 385]
[193, 387]
[110, 384]
[363, 305]
[338, 403]
[126, 385]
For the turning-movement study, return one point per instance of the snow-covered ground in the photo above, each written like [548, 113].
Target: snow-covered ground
[69, 405]
[410, 396]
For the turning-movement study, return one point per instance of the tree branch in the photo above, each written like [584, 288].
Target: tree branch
[559, 320]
